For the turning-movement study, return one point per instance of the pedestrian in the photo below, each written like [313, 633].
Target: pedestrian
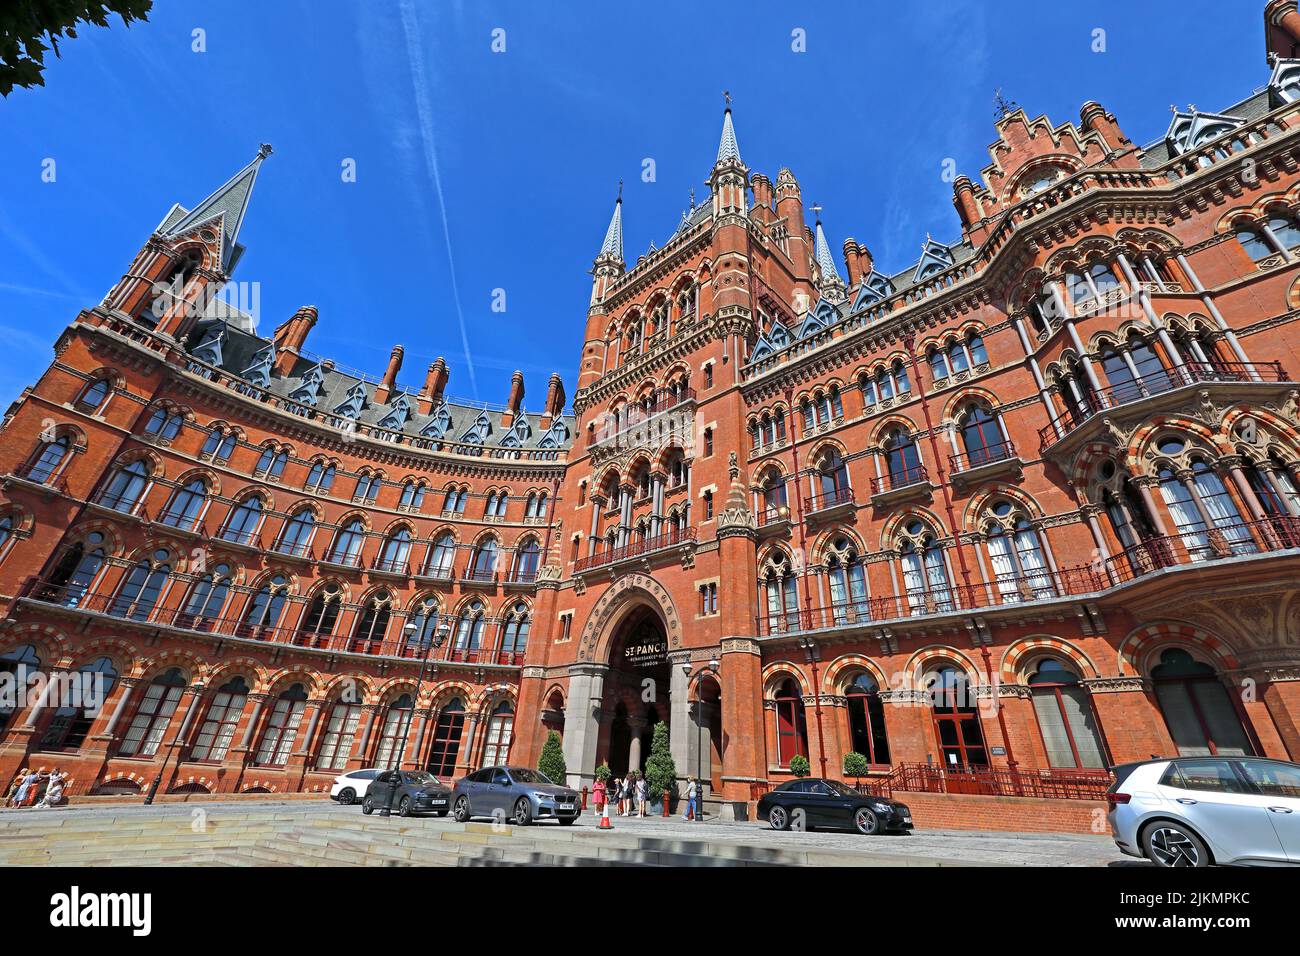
[53, 791]
[37, 793]
[13, 787]
[598, 795]
[625, 793]
[615, 793]
[640, 795]
[25, 788]
[692, 790]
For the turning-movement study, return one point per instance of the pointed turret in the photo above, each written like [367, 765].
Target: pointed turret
[729, 178]
[728, 148]
[831, 283]
[228, 204]
[613, 244]
[609, 264]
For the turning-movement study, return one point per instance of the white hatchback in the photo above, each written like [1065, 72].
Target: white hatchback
[352, 786]
[1196, 811]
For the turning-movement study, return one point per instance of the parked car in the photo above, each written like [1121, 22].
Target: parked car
[1197, 811]
[519, 794]
[353, 785]
[417, 792]
[814, 802]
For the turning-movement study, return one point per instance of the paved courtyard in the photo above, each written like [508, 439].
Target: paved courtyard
[920, 848]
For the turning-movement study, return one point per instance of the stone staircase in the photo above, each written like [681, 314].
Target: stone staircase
[276, 837]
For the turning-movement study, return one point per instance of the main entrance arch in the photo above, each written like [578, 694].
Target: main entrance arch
[637, 691]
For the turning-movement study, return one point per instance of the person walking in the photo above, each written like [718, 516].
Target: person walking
[53, 791]
[598, 795]
[11, 795]
[640, 795]
[692, 793]
[616, 794]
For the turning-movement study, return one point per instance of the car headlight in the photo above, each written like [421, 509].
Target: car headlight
[543, 796]
[882, 808]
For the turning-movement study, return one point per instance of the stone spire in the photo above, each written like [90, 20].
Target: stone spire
[228, 203]
[613, 244]
[736, 518]
[728, 148]
[825, 261]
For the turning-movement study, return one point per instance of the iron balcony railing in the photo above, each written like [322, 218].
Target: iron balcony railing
[635, 549]
[827, 500]
[1243, 539]
[1157, 383]
[974, 458]
[911, 475]
[1052, 783]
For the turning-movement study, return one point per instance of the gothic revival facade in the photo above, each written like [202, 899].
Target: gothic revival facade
[1029, 501]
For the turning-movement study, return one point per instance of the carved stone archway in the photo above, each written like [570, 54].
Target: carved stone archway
[613, 606]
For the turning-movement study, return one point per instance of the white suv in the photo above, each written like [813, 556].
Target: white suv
[352, 786]
[1196, 811]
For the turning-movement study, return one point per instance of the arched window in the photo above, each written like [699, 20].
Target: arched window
[938, 360]
[47, 460]
[956, 720]
[322, 614]
[903, 459]
[19, 664]
[265, 607]
[1019, 567]
[782, 592]
[1065, 718]
[372, 625]
[125, 488]
[500, 730]
[1206, 516]
[320, 477]
[1285, 231]
[346, 548]
[536, 505]
[446, 739]
[412, 496]
[832, 477]
[397, 721]
[527, 556]
[514, 632]
[71, 722]
[867, 719]
[422, 626]
[281, 728]
[396, 551]
[245, 517]
[975, 347]
[207, 598]
[925, 574]
[469, 631]
[143, 584]
[218, 727]
[340, 733]
[441, 556]
[93, 395]
[77, 570]
[186, 505]
[454, 501]
[296, 537]
[164, 424]
[271, 463]
[981, 436]
[1256, 246]
[1197, 707]
[1103, 277]
[367, 487]
[483, 562]
[791, 724]
[147, 727]
[848, 582]
[496, 505]
[219, 444]
[6, 530]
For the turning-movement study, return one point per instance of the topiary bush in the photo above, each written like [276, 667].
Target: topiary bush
[799, 765]
[855, 765]
[660, 771]
[603, 772]
[551, 762]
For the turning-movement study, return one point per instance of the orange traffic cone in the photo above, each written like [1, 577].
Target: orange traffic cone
[604, 817]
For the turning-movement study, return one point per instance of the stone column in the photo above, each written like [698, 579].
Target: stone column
[679, 720]
[745, 759]
[582, 721]
[636, 727]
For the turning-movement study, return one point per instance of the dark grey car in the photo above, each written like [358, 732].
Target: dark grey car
[417, 792]
[518, 794]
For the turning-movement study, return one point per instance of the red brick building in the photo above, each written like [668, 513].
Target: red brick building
[1029, 501]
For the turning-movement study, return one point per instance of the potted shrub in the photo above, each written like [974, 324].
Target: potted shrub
[551, 762]
[856, 766]
[660, 771]
[799, 765]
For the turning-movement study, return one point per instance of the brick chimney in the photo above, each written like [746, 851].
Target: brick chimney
[435, 381]
[515, 401]
[291, 336]
[389, 383]
[554, 400]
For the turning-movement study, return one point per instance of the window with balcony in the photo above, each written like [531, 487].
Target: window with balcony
[207, 597]
[47, 460]
[267, 604]
[348, 541]
[127, 486]
[296, 537]
[372, 622]
[1016, 556]
[186, 505]
[142, 587]
[925, 573]
[981, 436]
[245, 518]
[848, 582]
[902, 458]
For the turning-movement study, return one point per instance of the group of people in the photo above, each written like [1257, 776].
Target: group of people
[40, 789]
[627, 793]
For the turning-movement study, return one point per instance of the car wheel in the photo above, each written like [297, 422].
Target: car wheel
[462, 809]
[778, 818]
[1169, 844]
[404, 808]
[347, 796]
[523, 812]
[368, 805]
[866, 821]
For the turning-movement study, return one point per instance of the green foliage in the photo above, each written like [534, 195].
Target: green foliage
[660, 772]
[855, 765]
[551, 762]
[799, 765]
[603, 772]
[29, 28]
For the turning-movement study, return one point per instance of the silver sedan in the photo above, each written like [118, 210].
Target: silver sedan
[518, 794]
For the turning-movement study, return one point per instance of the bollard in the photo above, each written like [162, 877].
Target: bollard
[584, 797]
[665, 803]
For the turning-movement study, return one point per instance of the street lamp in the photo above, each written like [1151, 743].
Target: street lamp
[439, 637]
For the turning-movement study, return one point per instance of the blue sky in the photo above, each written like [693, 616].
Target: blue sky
[479, 171]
